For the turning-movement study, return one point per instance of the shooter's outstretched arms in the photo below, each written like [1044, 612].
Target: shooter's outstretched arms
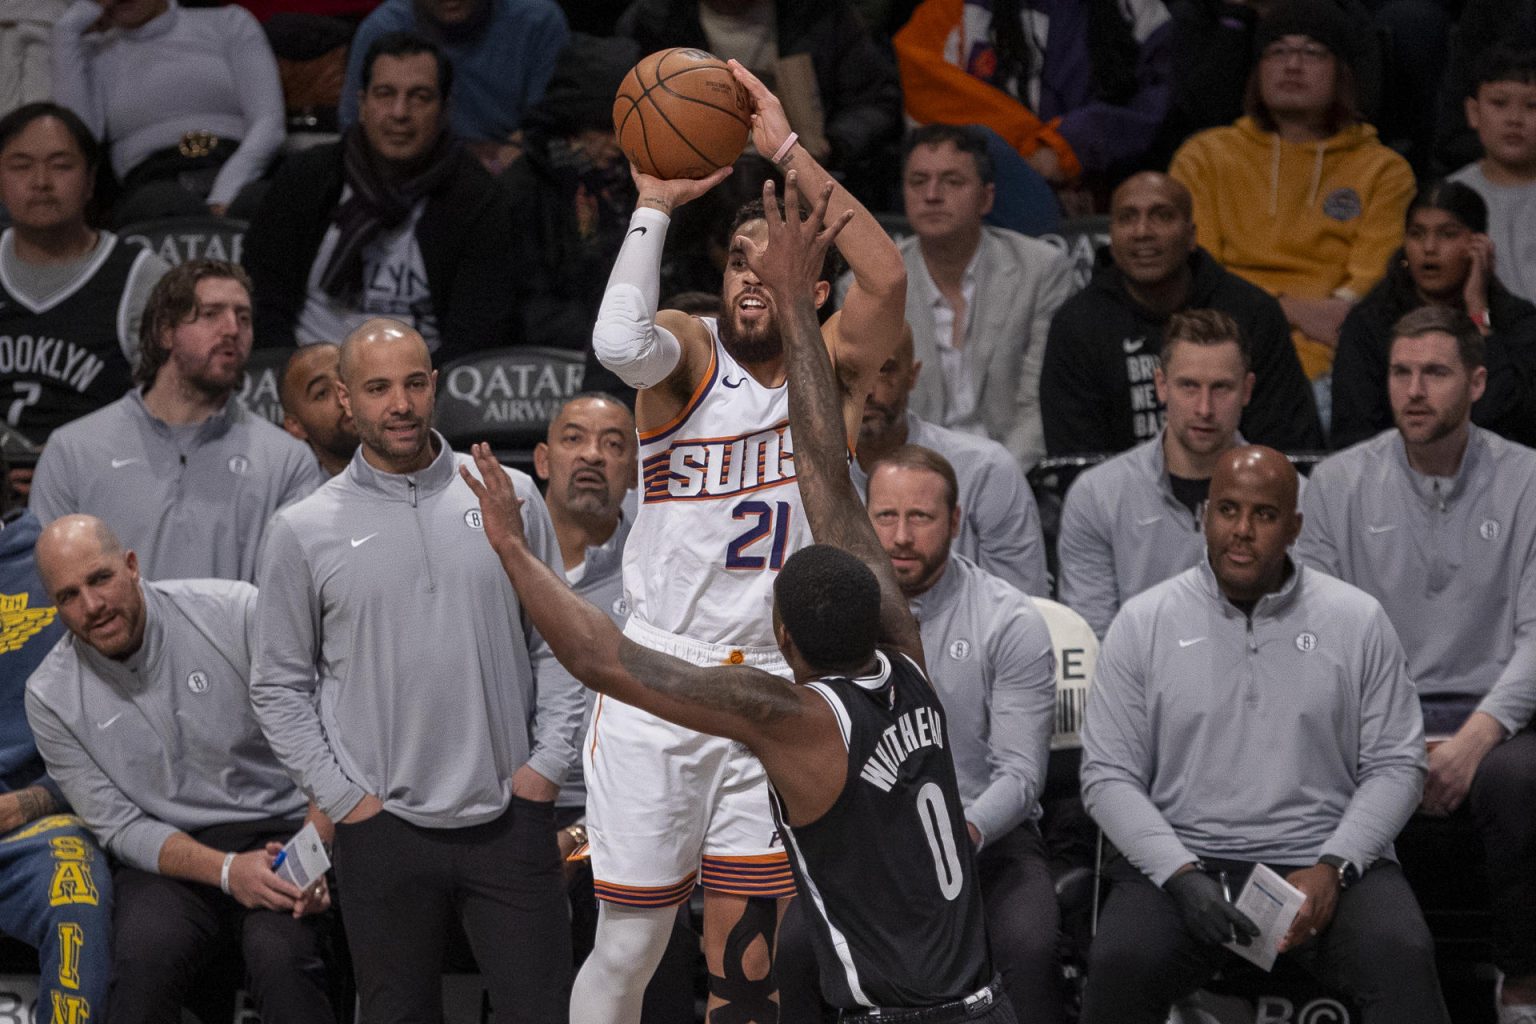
[788, 266]
[738, 702]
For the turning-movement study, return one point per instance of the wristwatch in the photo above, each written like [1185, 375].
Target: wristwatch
[1348, 873]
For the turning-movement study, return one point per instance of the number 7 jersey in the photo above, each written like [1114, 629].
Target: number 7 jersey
[720, 510]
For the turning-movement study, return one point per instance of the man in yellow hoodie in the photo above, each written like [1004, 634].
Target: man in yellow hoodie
[1298, 196]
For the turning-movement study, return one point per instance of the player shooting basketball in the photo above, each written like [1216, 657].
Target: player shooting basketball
[859, 750]
[719, 515]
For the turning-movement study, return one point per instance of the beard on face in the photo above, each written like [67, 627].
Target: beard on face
[586, 500]
[880, 428]
[760, 343]
[206, 379]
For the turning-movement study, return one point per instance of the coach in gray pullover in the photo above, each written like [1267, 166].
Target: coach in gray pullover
[1250, 710]
[1437, 520]
[400, 682]
[179, 467]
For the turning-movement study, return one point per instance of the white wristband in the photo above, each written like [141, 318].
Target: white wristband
[229, 859]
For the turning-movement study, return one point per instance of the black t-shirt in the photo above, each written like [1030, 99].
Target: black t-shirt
[1191, 493]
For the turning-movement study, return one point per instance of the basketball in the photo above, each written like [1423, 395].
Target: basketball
[681, 114]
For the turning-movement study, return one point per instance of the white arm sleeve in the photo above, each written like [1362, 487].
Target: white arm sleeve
[625, 337]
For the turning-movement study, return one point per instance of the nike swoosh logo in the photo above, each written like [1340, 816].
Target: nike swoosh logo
[1132, 345]
[1381, 529]
[637, 231]
[1191, 641]
[103, 725]
[1148, 520]
[727, 382]
[358, 542]
[120, 463]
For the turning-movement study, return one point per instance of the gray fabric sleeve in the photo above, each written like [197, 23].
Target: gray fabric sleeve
[1393, 764]
[1023, 715]
[559, 699]
[1009, 542]
[261, 104]
[1512, 700]
[72, 86]
[53, 481]
[283, 676]
[1027, 439]
[1087, 560]
[1316, 546]
[147, 271]
[1118, 760]
[119, 824]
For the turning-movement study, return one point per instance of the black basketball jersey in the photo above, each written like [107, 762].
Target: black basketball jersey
[63, 359]
[886, 874]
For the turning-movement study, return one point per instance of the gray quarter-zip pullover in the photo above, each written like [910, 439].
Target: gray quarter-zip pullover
[990, 658]
[432, 686]
[163, 741]
[1276, 737]
[1453, 560]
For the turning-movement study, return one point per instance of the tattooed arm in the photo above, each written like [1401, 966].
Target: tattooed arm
[23, 806]
[738, 702]
[788, 267]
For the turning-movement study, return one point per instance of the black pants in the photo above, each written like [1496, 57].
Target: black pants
[403, 885]
[166, 931]
[1022, 922]
[1377, 951]
[1502, 804]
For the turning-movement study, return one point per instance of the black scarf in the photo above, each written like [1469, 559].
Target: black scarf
[378, 203]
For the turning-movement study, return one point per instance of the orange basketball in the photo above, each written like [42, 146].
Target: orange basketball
[681, 114]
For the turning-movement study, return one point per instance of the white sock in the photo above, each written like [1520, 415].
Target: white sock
[610, 986]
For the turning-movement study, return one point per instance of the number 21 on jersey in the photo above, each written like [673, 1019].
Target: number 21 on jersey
[762, 544]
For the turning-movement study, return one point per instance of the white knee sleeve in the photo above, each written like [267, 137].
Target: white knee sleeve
[631, 941]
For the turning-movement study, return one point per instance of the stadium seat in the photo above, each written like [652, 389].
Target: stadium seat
[1080, 239]
[178, 239]
[263, 378]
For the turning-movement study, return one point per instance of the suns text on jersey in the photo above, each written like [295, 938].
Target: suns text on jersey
[913, 731]
[701, 469]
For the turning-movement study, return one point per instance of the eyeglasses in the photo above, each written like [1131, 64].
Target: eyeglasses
[1310, 53]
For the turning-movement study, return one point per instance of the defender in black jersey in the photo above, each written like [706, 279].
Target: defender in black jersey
[857, 755]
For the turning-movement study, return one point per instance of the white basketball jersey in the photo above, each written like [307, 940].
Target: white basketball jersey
[719, 510]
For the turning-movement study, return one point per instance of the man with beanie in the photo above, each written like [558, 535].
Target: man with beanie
[395, 220]
[1299, 196]
[571, 195]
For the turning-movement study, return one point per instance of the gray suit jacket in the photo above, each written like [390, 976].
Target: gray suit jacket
[1020, 283]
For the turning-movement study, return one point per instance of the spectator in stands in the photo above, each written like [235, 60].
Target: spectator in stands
[312, 411]
[57, 895]
[187, 99]
[1432, 519]
[1135, 520]
[572, 196]
[979, 300]
[992, 663]
[1482, 25]
[1502, 110]
[1281, 730]
[1298, 196]
[1096, 390]
[838, 84]
[502, 52]
[1073, 85]
[70, 296]
[182, 808]
[394, 220]
[999, 524]
[443, 793]
[1446, 261]
[179, 467]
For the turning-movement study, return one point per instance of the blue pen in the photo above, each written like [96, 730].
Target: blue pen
[277, 861]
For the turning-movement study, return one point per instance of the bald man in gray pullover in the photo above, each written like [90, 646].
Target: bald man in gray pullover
[1253, 711]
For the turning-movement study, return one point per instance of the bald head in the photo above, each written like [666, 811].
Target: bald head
[1155, 185]
[884, 426]
[94, 583]
[1250, 521]
[376, 335]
